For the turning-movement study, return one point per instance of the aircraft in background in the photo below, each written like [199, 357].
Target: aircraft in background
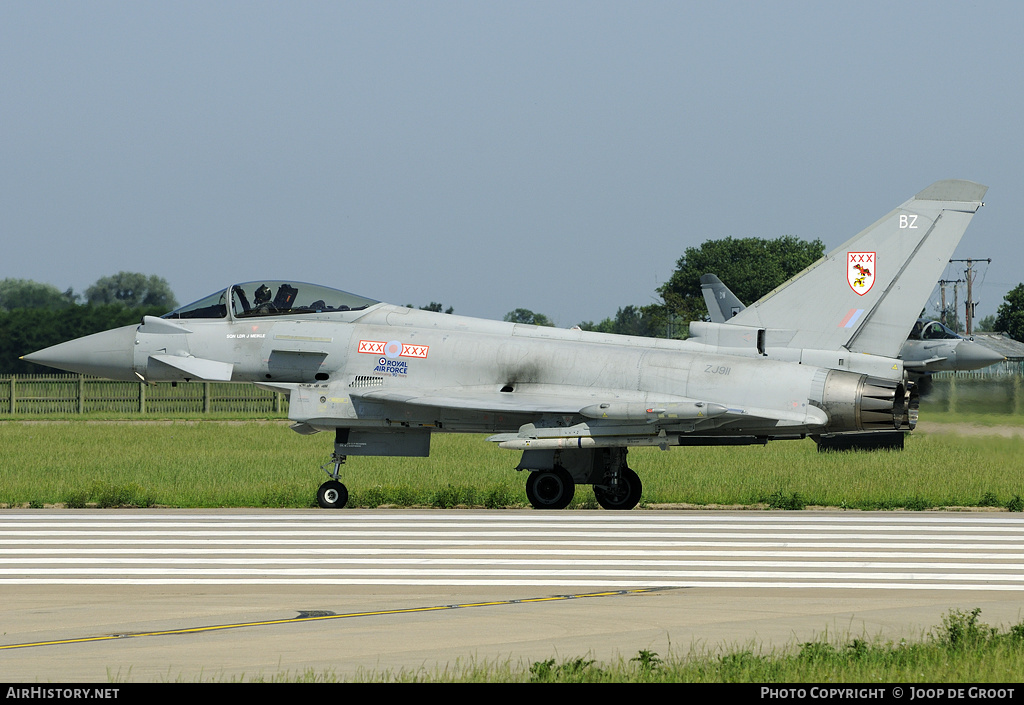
[818, 355]
[930, 347]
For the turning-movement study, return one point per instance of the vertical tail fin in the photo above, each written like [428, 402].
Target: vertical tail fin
[721, 302]
[866, 294]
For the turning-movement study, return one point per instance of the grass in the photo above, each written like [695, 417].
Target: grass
[978, 419]
[935, 470]
[960, 650]
[236, 463]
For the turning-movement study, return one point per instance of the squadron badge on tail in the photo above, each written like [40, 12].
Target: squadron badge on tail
[860, 271]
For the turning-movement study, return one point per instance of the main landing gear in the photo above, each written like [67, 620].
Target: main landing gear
[332, 494]
[550, 489]
[550, 484]
[553, 477]
[620, 493]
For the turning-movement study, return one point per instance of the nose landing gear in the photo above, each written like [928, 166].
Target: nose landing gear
[332, 494]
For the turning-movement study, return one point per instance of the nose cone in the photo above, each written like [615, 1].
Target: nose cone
[973, 356]
[109, 354]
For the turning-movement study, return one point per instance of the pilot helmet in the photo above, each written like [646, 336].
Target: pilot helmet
[263, 294]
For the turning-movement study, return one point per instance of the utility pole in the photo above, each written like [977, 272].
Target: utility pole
[956, 307]
[971, 303]
[942, 285]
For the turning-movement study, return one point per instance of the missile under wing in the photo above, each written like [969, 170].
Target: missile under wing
[384, 378]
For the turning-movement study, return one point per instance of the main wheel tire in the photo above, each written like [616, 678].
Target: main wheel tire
[550, 489]
[627, 494]
[332, 495]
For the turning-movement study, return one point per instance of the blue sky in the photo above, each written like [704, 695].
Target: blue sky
[556, 156]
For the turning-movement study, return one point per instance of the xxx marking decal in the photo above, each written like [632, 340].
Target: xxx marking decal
[392, 349]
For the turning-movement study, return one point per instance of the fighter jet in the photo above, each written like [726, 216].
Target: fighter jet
[818, 355]
[930, 347]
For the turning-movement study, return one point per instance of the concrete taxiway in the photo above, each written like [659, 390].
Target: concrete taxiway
[165, 596]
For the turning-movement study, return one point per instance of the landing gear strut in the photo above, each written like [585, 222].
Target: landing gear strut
[332, 494]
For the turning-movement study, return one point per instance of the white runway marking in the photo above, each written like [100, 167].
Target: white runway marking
[568, 549]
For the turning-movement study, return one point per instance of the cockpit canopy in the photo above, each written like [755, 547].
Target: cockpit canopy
[931, 330]
[272, 298]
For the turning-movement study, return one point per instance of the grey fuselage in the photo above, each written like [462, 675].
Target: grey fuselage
[394, 367]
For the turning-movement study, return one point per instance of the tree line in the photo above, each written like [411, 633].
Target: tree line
[128, 289]
[34, 315]
[750, 267]
[26, 330]
[1010, 314]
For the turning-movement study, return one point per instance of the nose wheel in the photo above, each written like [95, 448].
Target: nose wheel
[332, 494]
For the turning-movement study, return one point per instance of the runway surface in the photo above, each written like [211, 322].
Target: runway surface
[166, 595]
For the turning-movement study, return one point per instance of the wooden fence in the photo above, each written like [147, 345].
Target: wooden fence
[78, 394]
[998, 389]
[1006, 368]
